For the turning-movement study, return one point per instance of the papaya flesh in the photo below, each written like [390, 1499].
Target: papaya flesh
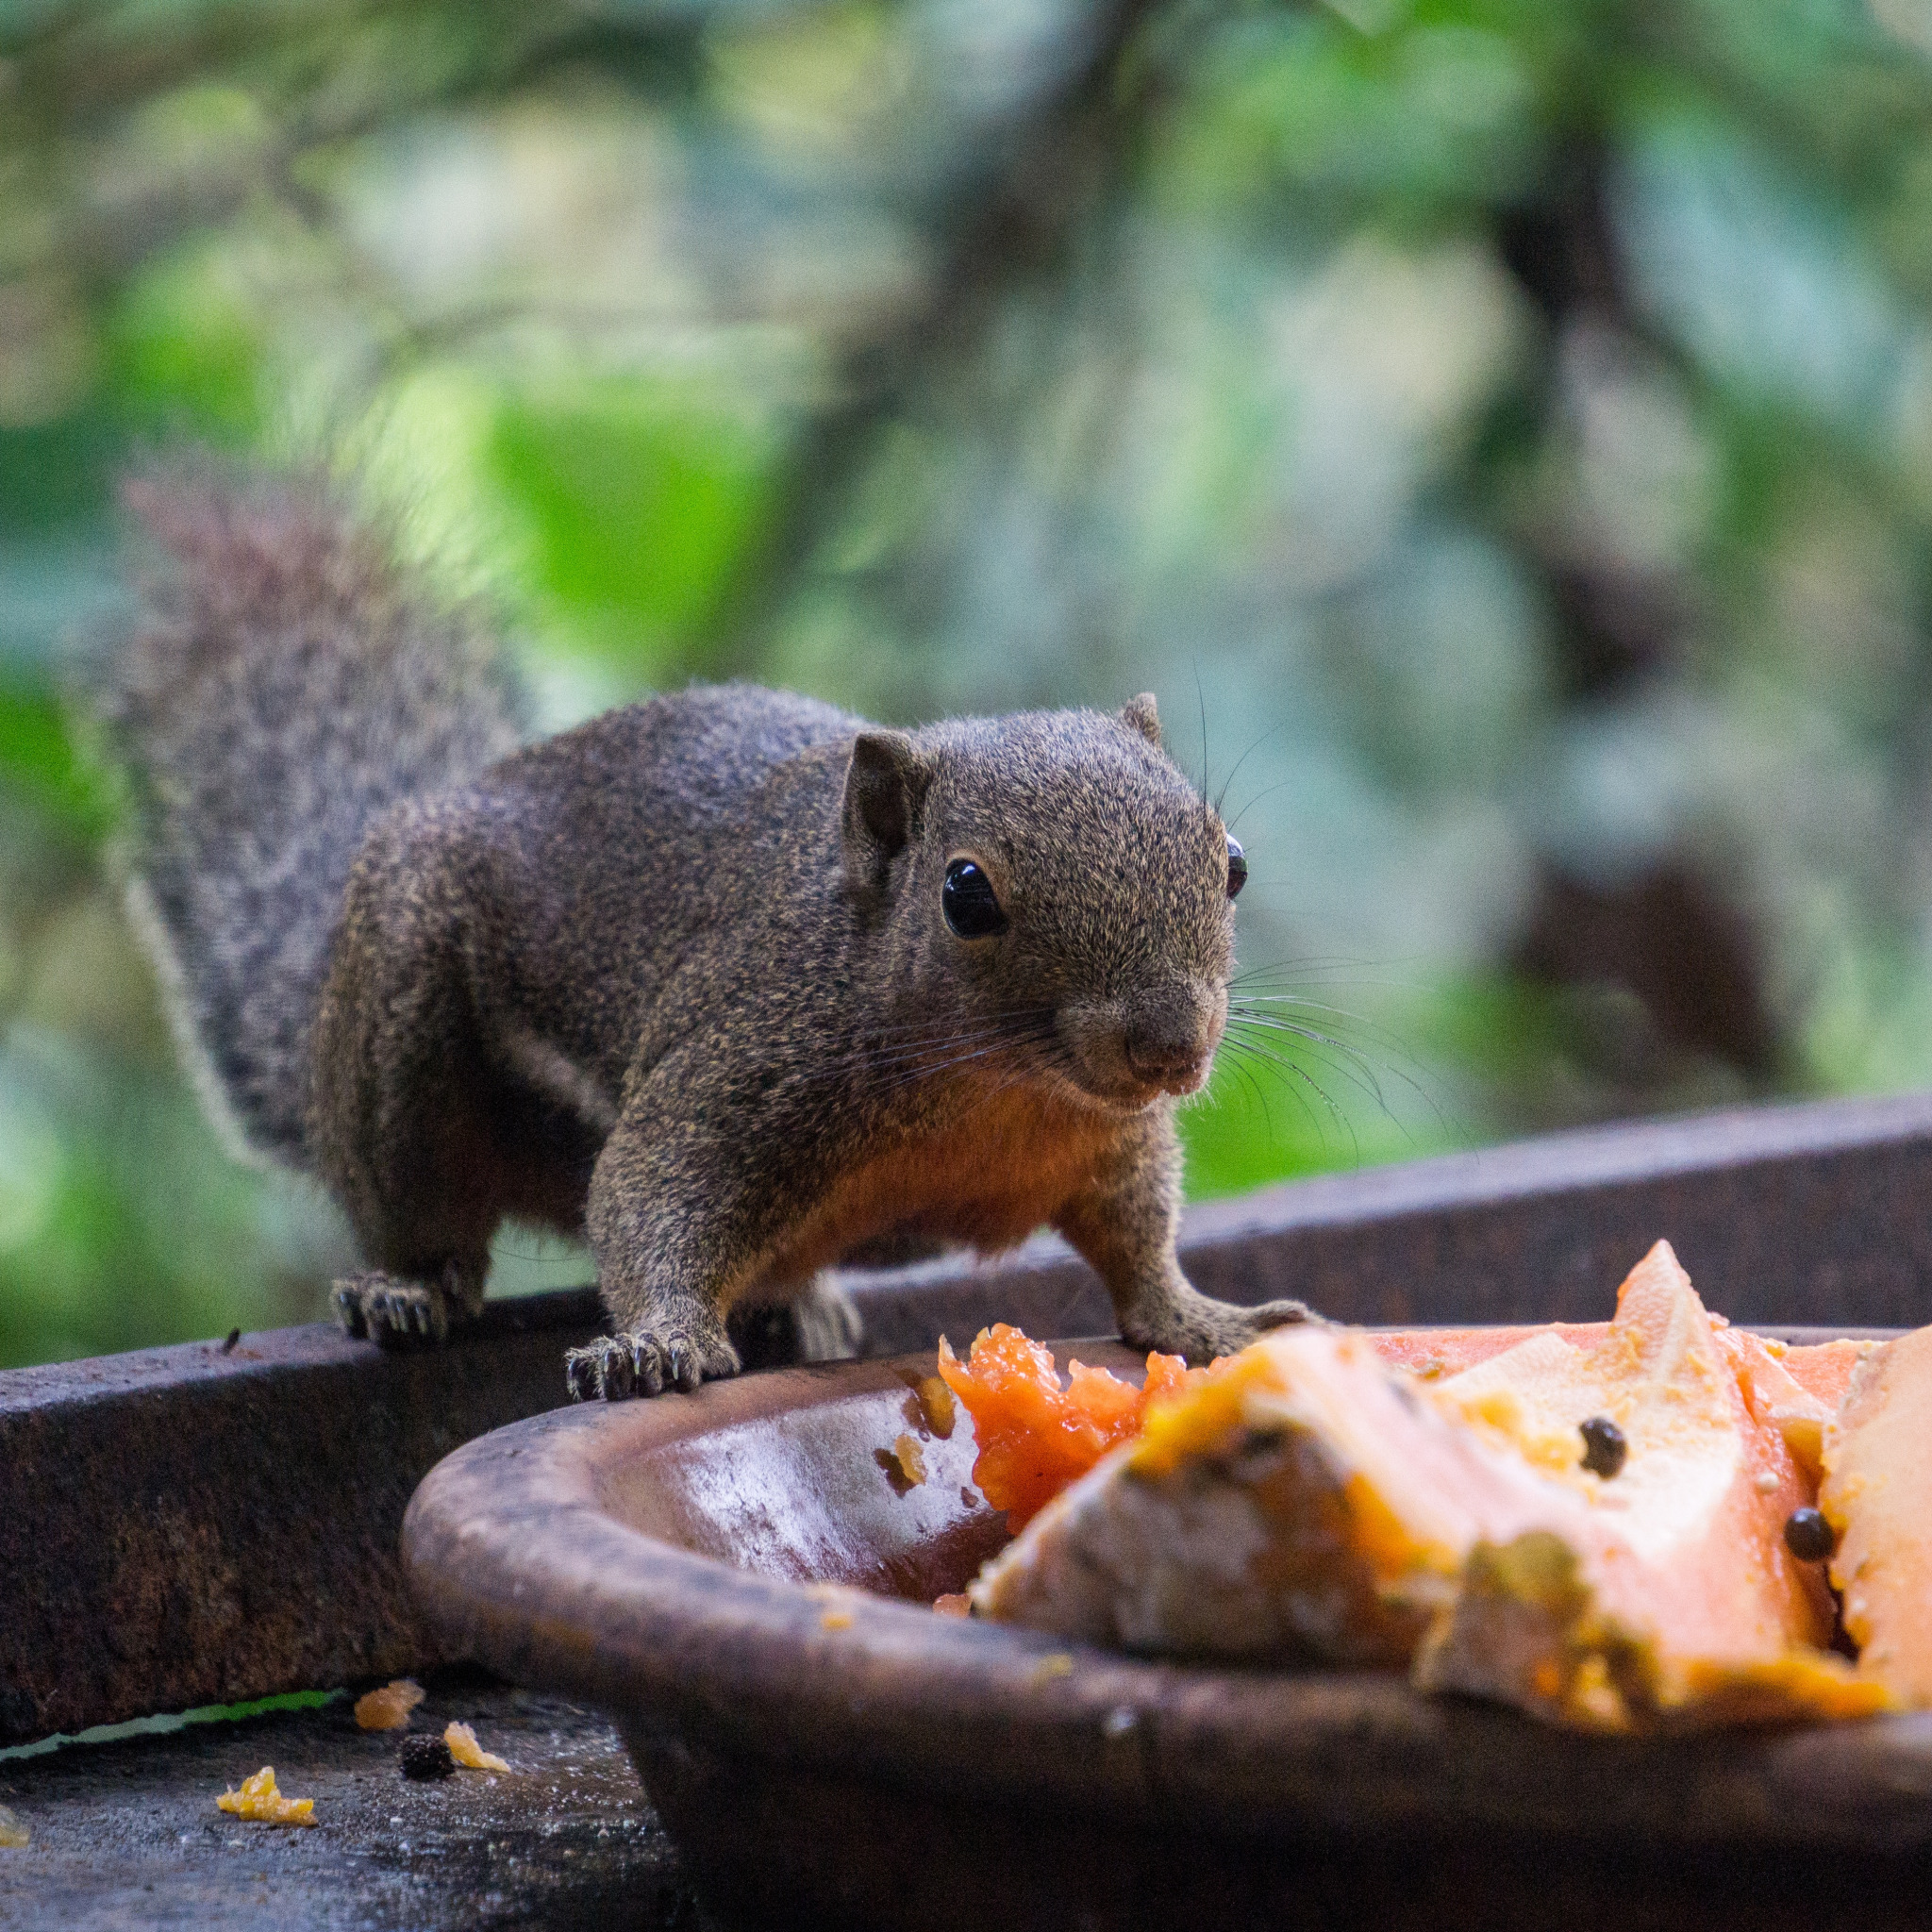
[1877, 1494]
[1670, 1598]
[1433, 1354]
[1309, 1498]
[1034, 1437]
[1301, 1500]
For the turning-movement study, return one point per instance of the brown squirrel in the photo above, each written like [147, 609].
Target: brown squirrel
[731, 982]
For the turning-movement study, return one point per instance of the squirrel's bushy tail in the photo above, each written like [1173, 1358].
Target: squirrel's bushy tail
[285, 683]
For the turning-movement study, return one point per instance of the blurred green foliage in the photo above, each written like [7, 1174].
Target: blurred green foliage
[645, 506]
[1501, 433]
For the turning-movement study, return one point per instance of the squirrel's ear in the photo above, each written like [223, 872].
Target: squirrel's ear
[1140, 715]
[884, 788]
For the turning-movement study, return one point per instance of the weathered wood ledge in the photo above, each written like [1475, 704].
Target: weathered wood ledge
[183, 1526]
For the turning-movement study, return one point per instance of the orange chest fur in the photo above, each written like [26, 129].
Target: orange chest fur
[987, 1179]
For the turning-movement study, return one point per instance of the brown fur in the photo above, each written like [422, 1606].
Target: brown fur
[680, 981]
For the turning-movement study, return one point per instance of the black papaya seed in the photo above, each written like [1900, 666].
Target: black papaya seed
[1604, 1447]
[1808, 1536]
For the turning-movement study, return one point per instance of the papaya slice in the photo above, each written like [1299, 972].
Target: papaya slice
[1434, 1353]
[1034, 1437]
[1877, 1494]
[1670, 1598]
[1822, 1368]
[1799, 1410]
[1302, 1499]
[1305, 1498]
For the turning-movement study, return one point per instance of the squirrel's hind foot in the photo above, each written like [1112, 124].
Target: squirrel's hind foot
[822, 1324]
[647, 1362]
[830, 1328]
[398, 1313]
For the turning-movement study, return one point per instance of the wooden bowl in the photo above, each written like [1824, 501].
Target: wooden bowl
[739, 1577]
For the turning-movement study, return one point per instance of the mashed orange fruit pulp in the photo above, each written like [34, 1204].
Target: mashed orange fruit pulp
[1034, 1437]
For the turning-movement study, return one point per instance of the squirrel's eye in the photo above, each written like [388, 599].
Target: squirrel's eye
[1237, 866]
[967, 898]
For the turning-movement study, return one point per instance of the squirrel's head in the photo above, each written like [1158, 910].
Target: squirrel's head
[1051, 883]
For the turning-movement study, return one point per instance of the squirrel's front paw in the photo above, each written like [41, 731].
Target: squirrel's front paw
[1200, 1329]
[390, 1311]
[1224, 1329]
[647, 1362]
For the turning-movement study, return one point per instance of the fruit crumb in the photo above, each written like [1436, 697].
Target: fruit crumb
[911, 1459]
[388, 1708]
[258, 1800]
[935, 1404]
[464, 1748]
[839, 1600]
[1060, 1664]
[955, 1602]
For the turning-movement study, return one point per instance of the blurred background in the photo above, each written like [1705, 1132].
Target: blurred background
[1501, 433]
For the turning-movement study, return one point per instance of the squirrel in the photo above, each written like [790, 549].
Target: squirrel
[728, 982]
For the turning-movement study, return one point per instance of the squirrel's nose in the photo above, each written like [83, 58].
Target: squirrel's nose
[1156, 1060]
[1169, 1044]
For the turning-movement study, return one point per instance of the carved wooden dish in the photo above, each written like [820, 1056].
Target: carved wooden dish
[845, 1759]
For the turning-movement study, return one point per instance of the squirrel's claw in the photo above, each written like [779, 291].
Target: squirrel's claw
[1280, 1314]
[345, 1301]
[580, 1374]
[617, 1366]
[389, 1312]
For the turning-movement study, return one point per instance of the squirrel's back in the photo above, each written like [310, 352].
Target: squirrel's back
[612, 855]
[285, 684]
